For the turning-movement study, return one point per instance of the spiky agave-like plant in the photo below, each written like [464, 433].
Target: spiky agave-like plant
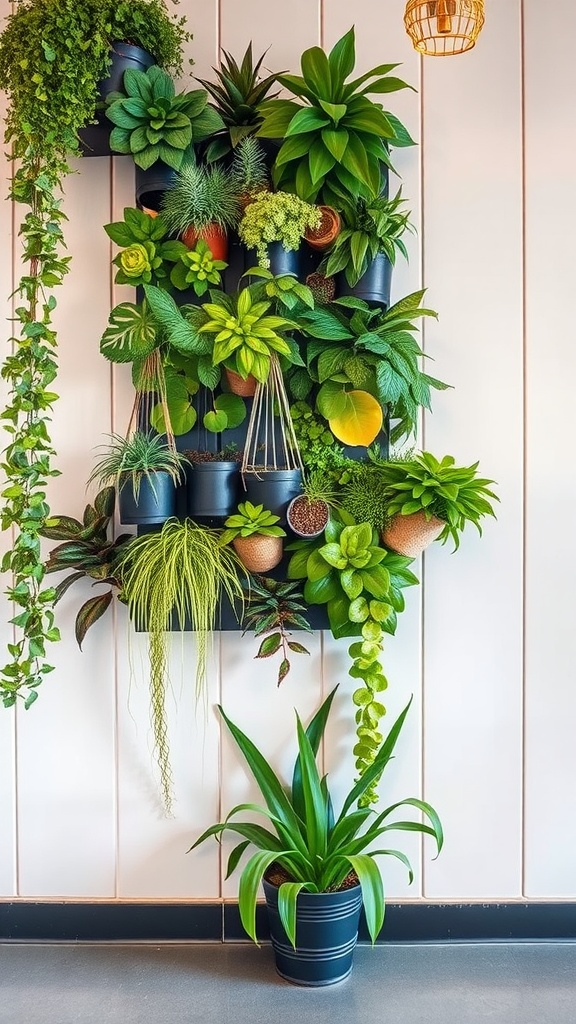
[176, 577]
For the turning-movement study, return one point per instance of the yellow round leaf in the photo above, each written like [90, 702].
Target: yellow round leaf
[360, 420]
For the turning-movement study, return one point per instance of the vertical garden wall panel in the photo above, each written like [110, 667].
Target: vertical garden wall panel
[472, 233]
[550, 83]
[82, 782]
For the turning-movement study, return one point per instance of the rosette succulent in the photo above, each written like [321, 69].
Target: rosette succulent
[153, 123]
[197, 269]
[147, 253]
[276, 217]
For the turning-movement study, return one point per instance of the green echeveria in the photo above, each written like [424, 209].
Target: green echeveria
[135, 262]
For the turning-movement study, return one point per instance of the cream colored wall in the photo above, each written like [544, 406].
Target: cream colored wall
[485, 643]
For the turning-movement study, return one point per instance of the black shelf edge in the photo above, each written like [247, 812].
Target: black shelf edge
[70, 921]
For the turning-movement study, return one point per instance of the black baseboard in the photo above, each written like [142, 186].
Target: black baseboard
[216, 922]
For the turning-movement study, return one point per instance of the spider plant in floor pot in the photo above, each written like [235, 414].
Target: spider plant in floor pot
[175, 578]
[145, 470]
[317, 869]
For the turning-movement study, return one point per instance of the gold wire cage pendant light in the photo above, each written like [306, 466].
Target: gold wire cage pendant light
[441, 28]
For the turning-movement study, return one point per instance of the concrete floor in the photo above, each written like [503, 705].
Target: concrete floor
[500, 983]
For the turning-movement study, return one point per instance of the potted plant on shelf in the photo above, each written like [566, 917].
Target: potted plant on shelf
[364, 252]
[213, 482]
[174, 579]
[52, 57]
[335, 138]
[316, 868]
[255, 536]
[202, 203]
[237, 94]
[148, 255]
[273, 225]
[272, 606]
[145, 471]
[308, 513]
[249, 171]
[431, 499]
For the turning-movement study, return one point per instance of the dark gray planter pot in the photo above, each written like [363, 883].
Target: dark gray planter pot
[213, 488]
[155, 504]
[95, 138]
[326, 935]
[273, 488]
[151, 184]
[282, 261]
[373, 286]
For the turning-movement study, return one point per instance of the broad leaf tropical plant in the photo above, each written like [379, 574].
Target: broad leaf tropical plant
[196, 268]
[148, 254]
[335, 138]
[315, 849]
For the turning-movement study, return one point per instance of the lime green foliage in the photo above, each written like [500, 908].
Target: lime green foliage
[201, 196]
[246, 335]
[237, 94]
[361, 584]
[314, 848]
[370, 226]
[147, 253]
[176, 577]
[455, 494]
[249, 169]
[354, 346]
[335, 138]
[276, 217]
[364, 496]
[129, 459]
[197, 269]
[285, 289]
[251, 520]
[274, 606]
[52, 56]
[87, 549]
[153, 123]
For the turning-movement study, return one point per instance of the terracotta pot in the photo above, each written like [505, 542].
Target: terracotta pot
[321, 238]
[214, 236]
[410, 535]
[239, 386]
[259, 553]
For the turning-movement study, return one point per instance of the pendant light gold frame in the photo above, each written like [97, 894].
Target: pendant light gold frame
[443, 28]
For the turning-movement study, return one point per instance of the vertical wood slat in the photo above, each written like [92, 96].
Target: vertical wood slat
[8, 878]
[550, 763]
[473, 602]
[65, 752]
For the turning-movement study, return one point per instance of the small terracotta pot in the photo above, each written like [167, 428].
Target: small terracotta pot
[215, 237]
[321, 238]
[239, 386]
[259, 553]
[410, 535]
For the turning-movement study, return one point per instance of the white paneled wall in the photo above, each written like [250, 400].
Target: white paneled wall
[484, 644]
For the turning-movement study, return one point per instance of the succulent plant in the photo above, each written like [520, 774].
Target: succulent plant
[197, 269]
[276, 217]
[250, 520]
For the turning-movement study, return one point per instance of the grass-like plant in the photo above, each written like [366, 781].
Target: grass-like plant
[176, 577]
[130, 459]
[316, 849]
[364, 496]
[249, 169]
[276, 217]
[201, 196]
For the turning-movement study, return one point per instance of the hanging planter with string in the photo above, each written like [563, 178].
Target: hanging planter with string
[443, 28]
[272, 466]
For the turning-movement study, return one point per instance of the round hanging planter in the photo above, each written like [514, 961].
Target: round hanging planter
[151, 184]
[307, 518]
[215, 237]
[94, 138]
[212, 488]
[373, 286]
[325, 234]
[326, 935]
[411, 535]
[239, 386]
[156, 501]
[259, 553]
[273, 488]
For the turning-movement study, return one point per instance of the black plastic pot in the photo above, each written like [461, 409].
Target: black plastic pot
[95, 138]
[212, 488]
[326, 935]
[373, 286]
[152, 184]
[273, 488]
[156, 501]
[282, 261]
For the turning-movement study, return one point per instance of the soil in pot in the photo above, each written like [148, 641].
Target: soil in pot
[307, 518]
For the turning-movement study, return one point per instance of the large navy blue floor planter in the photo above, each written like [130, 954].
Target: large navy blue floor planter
[326, 935]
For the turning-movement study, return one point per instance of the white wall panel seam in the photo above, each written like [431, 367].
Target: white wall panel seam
[115, 665]
[524, 444]
[422, 433]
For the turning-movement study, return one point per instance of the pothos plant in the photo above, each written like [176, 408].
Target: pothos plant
[361, 583]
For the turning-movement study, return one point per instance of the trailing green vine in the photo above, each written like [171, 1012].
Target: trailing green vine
[29, 372]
